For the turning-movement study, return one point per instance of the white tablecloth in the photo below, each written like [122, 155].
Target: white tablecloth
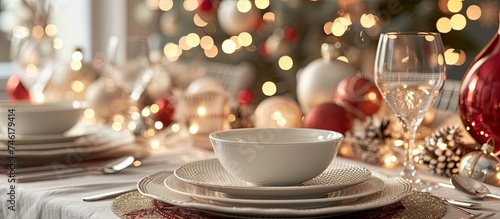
[62, 198]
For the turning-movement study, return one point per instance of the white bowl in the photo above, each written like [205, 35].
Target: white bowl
[38, 119]
[275, 156]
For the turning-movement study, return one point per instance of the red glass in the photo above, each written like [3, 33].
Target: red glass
[479, 101]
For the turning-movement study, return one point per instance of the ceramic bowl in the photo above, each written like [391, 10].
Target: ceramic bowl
[275, 156]
[39, 119]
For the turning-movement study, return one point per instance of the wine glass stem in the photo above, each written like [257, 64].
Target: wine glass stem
[409, 173]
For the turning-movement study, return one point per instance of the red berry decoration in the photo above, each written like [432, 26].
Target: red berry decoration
[165, 113]
[329, 116]
[16, 89]
[358, 95]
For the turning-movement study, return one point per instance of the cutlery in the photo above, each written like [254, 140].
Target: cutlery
[108, 168]
[471, 188]
[463, 204]
[107, 195]
[471, 215]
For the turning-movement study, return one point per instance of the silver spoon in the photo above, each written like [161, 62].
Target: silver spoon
[471, 188]
[113, 166]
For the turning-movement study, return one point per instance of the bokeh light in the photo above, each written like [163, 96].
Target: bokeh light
[165, 5]
[474, 12]
[454, 6]
[443, 25]
[285, 62]
[458, 22]
[244, 6]
[228, 46]
[261, 4]
[269, 88]
[190, 5]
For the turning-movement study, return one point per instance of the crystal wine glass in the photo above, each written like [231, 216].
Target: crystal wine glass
[410, 73]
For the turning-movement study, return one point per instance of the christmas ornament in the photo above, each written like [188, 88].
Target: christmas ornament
[160, 84]
[443, 150]
[106, 98]
[204, 85]
[232, 21]
[317, 81]
[278, 112]
[368, 140]
[481, 165]
[166, 110]
[479, 99]
[358, 95]
[207, 10]
[329, 116]
[78, 78]
[16, 89]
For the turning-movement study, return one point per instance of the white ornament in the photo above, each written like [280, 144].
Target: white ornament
[204, 85]
[319, 79]
[233, 21]
[278, 112]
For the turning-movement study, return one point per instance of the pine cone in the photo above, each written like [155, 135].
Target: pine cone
[443, 151]
[243, 117]
[368, 139]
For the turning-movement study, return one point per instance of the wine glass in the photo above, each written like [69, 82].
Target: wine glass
[410, 73]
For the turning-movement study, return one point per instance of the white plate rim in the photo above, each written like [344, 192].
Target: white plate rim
[273, 191]
[403, 188]
[377, 184]
[45, 138]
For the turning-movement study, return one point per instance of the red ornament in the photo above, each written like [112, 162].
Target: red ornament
[358, 95]
[16, 89]
[165, 113]
[479, 95]
[329, 116]
[205, 5]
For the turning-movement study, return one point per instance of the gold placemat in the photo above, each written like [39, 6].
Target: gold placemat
[134, 205]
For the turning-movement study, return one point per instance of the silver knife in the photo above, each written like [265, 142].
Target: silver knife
[463, 204]
[107, 195]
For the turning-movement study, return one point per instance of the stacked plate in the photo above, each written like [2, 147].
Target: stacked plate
[73, 146]
[342, 187]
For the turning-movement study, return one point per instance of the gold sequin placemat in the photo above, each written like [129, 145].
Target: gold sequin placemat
[134, 205]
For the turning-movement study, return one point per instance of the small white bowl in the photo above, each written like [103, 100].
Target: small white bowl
[275, 156]
[39, 119]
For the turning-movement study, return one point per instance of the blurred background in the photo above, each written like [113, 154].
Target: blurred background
[198, 29]
[148, 53]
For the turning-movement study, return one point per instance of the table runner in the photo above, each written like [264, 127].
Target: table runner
[133, 206]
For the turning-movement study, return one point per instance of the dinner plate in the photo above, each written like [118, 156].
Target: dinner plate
[211, 175]
[45, 146]
[394, 190]
[368, 187]
[43, 139]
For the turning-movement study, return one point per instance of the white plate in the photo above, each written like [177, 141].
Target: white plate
[395, 189]
[43, 139]
[104, 140]
[44, 146]
[368, 187]
[211, 175]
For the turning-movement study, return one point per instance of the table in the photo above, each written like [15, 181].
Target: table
[62, 198]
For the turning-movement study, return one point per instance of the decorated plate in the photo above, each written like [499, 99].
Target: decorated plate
[211, 175]
[394, 190]
[368, 187]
